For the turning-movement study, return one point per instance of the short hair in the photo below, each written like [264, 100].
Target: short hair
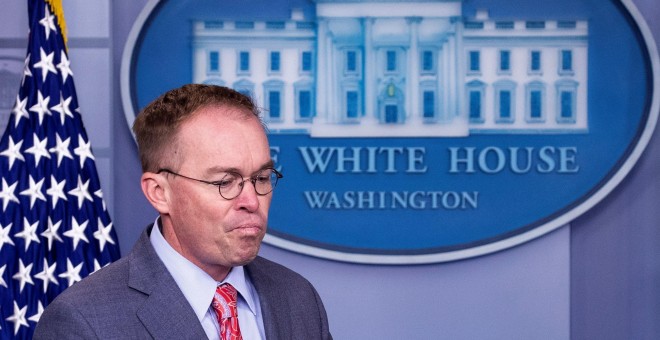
[157, 125]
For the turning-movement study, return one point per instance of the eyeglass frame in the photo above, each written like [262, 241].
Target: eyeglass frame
[241, 183]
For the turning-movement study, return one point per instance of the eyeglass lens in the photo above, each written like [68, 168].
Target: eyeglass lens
[232, 184]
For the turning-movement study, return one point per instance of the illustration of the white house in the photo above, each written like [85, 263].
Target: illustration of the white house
[385, 68]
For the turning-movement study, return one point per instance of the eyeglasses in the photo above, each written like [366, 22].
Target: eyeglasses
[232, 183]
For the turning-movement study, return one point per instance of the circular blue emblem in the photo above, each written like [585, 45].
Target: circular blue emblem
[418, 132]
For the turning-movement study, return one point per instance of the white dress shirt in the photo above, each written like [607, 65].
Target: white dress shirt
[198, 287]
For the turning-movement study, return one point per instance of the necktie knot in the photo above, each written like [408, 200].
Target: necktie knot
[224, 301]
[224, 304]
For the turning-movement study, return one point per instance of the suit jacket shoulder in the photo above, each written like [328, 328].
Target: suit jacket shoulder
[132, 298]
[291, 307]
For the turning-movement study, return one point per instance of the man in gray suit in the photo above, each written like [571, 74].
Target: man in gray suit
[201, 147]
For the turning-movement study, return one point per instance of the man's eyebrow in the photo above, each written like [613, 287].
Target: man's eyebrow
[221, 169]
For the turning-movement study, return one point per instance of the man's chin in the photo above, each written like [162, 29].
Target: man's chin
[245, 257]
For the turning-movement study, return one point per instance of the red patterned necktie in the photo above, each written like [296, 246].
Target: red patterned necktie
[224, 304]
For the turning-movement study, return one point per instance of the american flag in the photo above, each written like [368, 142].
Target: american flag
[54, 225]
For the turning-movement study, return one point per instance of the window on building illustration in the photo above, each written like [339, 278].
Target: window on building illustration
[566, 101]
[566, 111]
[473, 25]
[304, 100]
[536, 104]
[504, 25]
[427, 62]
[273, 97]
[535, 25]
[566, 61]
[428, 103]
[274, 105]
[305, 104]
[566, 107]
[535, 61]
[505, 91]
[213, 24]
[306, 61]
[566, 24]
[275, 61]
[245, 87]
[244, 24]
[214, 61]
[475, 106]
[275, 25]
[505, 105]
[244, 61]
[474, 61]
[305, 25]
[351, 104]
[505, 61]
[351, 61]
[391, 113]
[391, 61]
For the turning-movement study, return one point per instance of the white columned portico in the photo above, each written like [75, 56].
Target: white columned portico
[459, 99]
[334, 112]
[412, 83]
[371, 114]
[322, 74]
[459, 70]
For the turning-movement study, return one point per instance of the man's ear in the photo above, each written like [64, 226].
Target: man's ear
[155, 187]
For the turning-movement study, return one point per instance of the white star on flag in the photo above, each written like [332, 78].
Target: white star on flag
[41, 107]
[48, 22]
[77, 232]
[84, 150]
[2, 274]
[72, 273]
[82, 192]
[61, 149]
[4, 236]
[56, 190]
[20, 110]
[97, 266]
[63, 108]
[26, 70]
[99, 194]
[34, 191]
[65, 67]
[13, 152]
[47, 275]
[51, 233]
[37, 316]
[18, 318]
[23, 275]
[29, 233]
[103, 234]
[7, 194]
[45, 64]
[38, 148]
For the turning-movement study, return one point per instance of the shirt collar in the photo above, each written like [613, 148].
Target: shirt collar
[238, 279]
[196, 285]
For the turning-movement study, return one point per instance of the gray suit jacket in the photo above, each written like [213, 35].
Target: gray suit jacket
[137, 298]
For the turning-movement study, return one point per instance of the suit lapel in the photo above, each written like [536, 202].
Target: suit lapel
[166, 313]
[273, 302]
